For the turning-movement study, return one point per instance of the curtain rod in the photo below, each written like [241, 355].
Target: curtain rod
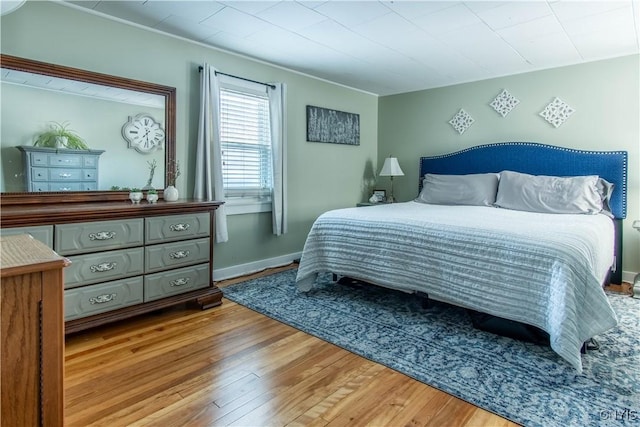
[241, 78]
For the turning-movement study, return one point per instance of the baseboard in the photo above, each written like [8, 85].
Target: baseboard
[253, 267]
[628, 276]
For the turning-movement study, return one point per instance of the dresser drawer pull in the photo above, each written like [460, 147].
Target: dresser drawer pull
[179, 254]
[102, 235]
[101, 299]
[180, 282]
[65, 175]
[101, 268]
[179, 227]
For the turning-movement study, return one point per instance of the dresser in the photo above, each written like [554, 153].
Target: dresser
[31, 333]
[126, 259]
[52, 169]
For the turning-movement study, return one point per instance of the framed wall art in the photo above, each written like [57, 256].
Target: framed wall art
[338, 127]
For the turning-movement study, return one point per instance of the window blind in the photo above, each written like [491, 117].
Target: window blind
[245, 136]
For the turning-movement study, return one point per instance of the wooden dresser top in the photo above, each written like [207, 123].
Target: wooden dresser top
[58, 213]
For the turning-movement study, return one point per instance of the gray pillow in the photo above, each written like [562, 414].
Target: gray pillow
[472, 189]
[549, 194]
[605, 188]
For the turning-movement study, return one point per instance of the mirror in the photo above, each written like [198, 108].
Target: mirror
[96, 106]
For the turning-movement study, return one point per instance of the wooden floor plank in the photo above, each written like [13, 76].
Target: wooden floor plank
[232, 366]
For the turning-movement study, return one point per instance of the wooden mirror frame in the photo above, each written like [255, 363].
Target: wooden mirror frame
[169, 94]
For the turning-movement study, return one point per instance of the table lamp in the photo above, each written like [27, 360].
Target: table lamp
[391, 168]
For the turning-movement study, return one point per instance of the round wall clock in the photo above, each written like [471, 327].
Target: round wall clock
[143, 133]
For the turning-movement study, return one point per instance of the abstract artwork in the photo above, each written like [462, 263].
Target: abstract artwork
[325, 125]
[504, 103]
[461, 121]
[557, 112]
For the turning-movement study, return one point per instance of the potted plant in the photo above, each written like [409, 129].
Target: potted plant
[135, 195]
[152, 195]
[60, 136]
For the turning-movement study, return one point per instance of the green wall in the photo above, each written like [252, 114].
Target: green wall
[320, 176]
[604, 94]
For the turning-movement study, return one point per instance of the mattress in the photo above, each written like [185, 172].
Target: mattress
[545, 270]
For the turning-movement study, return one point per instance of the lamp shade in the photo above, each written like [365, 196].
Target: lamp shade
[391, 167]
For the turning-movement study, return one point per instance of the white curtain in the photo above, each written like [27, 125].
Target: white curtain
[278, 149]
[209, 185]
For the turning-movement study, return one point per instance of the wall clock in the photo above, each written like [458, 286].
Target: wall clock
[143, 133]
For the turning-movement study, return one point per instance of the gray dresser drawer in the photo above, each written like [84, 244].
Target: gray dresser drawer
[61, 174]
[104, 266]
[56, 186]
[39, 174]
[90, 161]
[39, 159]
[176, 227]
[167, 283]
[97, 236]
[90, 300]
[65, 160]
[89, 175]
[43, 233]
[171, 255]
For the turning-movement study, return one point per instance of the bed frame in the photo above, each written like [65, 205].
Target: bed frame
[541, 159]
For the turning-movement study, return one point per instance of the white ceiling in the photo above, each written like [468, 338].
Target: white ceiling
[389, 47]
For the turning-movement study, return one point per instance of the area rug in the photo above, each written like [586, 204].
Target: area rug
[523, 382]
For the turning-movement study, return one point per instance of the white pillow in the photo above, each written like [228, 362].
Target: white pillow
[549, 194]
[472, 189]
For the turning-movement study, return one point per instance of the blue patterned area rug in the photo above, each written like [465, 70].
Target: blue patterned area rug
[526, 383]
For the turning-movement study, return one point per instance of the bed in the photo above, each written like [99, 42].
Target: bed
[545, 268]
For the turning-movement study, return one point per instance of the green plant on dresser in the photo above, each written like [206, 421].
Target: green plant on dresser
[60, 136]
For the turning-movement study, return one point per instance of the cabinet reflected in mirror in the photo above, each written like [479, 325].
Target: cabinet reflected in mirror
[96, 107]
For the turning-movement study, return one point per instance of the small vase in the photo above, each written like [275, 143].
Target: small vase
[135, 197]
[171, 194]
[152, 198]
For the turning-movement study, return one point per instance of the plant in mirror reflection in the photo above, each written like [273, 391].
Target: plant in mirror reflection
[152, 170]
[60, 136]
[173, 173]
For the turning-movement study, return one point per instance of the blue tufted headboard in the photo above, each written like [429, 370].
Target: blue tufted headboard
[537, 159]
[541, 159]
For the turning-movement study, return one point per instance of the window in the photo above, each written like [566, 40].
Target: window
[245, 137]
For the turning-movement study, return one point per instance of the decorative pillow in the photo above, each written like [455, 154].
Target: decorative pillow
[473, 189]
[549, 194]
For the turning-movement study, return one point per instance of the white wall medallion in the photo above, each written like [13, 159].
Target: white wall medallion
[557, 112]
[504, 103]
[461, 121]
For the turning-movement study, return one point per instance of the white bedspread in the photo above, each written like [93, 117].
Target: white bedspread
[545, 270]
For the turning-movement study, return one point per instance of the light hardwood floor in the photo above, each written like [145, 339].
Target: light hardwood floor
[231, 366]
